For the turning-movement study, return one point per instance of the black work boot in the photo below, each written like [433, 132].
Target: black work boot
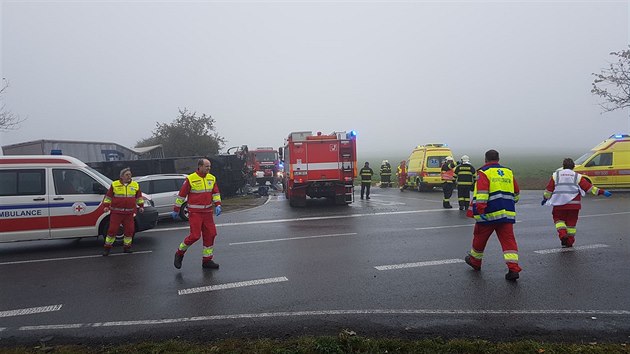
[468, 261]
[178, 260]
[446, 205]
[511, 276]
[210, 265]
[106, 251]
[127, 250]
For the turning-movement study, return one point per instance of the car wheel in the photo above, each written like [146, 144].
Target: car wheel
[183, 212]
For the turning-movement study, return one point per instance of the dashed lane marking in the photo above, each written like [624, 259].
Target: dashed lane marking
[442, 227]
[69, 258]
[331, 313]
[597, 215]
[231, 285]
[291, 238]
[570, 249]
[419, 264]
[30, 311]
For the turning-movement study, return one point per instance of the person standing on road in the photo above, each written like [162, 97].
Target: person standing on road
[464, 176]
[121, 200]
[493, 207]
[448, 181]
[386, 174]
[201, 190]
[402, 175]
[366, 180]
[564, 192]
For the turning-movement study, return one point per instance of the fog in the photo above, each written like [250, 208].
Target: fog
[510, 75]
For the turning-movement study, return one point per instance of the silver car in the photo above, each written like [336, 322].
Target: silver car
[162, 190]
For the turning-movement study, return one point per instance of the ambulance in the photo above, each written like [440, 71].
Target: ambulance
[53, 197]
[424, 166]
[607, 165]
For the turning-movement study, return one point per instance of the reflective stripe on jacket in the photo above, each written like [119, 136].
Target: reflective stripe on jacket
[366, 175]
[495, 195]
[123, 198]
[201, 192]
[464, 174]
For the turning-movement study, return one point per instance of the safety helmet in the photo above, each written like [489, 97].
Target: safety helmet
[386, 161]
[465, 159]
[382, 163]
[449, 158]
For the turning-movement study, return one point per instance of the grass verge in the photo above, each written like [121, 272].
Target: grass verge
[345, 342]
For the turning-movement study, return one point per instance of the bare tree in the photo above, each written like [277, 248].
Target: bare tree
[8, 119]
[613, 83]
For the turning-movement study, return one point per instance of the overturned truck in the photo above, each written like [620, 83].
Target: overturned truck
[229, 169]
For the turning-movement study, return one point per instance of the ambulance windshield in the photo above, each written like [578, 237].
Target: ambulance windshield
[100, 175]
[583, 158]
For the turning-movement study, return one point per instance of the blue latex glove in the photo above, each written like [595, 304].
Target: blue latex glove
[217, 210]
[542, 202]
[484, 217]
[175, 215]
[607, 194]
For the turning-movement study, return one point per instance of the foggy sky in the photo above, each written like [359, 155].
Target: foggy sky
[514, 76]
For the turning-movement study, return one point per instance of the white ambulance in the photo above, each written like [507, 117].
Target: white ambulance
[51, 197]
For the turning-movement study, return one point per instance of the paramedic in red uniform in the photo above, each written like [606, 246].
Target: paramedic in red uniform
[121, 200]
[493, 207]
[564, 191]
[202, 192]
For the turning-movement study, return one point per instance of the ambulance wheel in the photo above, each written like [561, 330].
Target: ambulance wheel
[183, 212]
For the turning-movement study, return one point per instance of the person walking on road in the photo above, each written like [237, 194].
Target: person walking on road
[493, 207]
[402, 175]
[448, 181]
[366, 180]
[464, 176]
[201, 190]
[564, 192]
[122, 199]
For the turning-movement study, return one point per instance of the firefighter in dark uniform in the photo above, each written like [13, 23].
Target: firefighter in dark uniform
[386, 174]
[448, 182]
[366, 180]
[465, 179]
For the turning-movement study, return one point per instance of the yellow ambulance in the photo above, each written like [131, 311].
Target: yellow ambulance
[607, 165]
[424, 166]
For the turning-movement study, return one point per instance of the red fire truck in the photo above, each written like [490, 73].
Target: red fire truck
[264, 164]
[319, 166]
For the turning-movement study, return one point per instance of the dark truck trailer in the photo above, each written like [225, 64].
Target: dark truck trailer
[228, 169]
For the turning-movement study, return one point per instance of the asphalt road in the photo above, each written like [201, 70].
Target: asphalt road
[390, 266]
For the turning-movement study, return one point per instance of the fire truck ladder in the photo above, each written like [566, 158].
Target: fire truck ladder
[345, 151]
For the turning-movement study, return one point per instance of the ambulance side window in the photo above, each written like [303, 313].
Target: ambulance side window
[604, 159]
[69, 181]
[22, 182]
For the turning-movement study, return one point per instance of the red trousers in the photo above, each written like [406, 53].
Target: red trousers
[201, 225]
[114, 223]
[505, 233]
[565, 221]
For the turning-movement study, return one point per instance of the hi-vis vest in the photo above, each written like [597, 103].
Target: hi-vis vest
[200, 196]
[448, 175]
[124, 197]
[567, 187]
[500, 197]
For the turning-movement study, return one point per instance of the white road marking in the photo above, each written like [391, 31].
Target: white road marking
[419, 264]
[69, 258]
[330, 217]
[442, 227]
[3, 329]
[30, 311]
[570, 249]
[291, 238]
[596, 215]
[331, 313]
[231, 285]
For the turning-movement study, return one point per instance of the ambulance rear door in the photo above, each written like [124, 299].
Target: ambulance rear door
[24, 212]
